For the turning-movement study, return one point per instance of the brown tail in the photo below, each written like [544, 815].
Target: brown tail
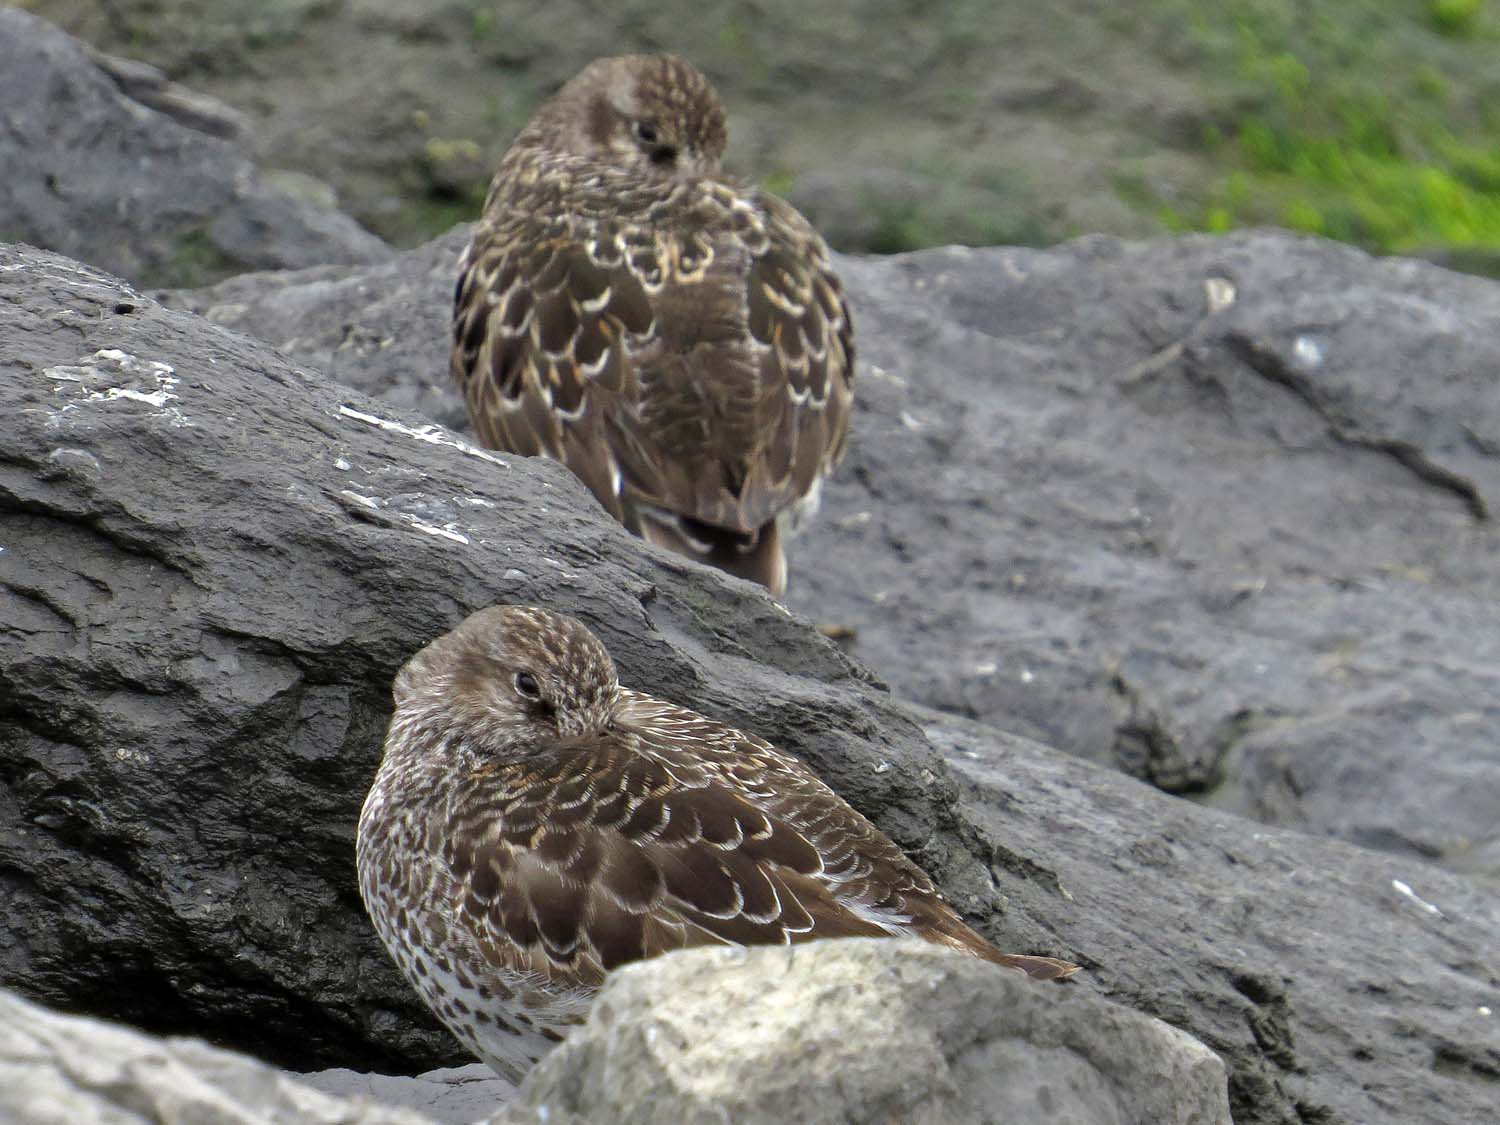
[1037, 968]
[756, 555]
[949, 929]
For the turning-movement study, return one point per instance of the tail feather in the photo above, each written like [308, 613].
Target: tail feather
[755, 555]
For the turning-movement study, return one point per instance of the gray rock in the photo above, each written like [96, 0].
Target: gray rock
[70, 1070]
[867, 1030]
[1303, 947]
[214, 561]
[1210, 510]
[142, 82]
[452, 1095]
[383, 329]
[149, 189]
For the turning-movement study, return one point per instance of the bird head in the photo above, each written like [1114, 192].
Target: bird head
[654, 115]
[509, 681]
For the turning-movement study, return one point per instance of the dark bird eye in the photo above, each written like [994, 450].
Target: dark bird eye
[646, 132]
[526, 685]
[663, 155]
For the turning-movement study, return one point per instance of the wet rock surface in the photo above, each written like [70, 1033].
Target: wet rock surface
[215, 560]
[1213, 511]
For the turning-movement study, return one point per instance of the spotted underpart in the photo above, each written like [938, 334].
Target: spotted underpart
[679, 341]
[533, 825]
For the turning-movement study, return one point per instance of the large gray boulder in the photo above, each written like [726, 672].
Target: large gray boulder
[107, 161]
[1214, 511]
[215, 560]
[873, 1031]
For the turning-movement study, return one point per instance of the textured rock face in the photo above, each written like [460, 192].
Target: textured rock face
[456, 1095]
[867, 1030]
[1210, 510]
[67, 1070]
[150, 191]
[214, 563]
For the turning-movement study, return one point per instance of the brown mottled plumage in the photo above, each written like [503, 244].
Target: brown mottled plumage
[678, 340]
[533, 824]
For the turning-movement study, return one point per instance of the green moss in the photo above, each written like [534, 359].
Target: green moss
[1323, 145]
[196, 260]
[901, 228]
[443, 150]
[1428, 82]
[438, 213]
[1456, 18]
[484, 22]
[898, 231]
[1302, 215]
[778, 183]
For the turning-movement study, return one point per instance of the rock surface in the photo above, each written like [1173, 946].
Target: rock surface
[455, 1095]
[1211, 510]
[68, 1070]
[856, 1030]
[867, 1030]
[214, 562]
[150, 189]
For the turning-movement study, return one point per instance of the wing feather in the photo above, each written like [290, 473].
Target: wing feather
[646, 848]
[689, 355]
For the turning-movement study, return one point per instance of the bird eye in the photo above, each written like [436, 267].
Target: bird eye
[527, 686]
[663, 155]
[646, 133]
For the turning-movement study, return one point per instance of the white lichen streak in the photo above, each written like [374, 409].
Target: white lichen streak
[1404, 889]
[109, 363]
[363, 501]
[407, 518]
[432, 435]
[430, 529]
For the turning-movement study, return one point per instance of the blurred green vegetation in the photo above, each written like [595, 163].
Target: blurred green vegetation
[898, 126]
[1455, 17]
[1352, 129]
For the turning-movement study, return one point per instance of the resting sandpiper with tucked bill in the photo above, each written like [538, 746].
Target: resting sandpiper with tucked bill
[533, 824]
[679, 341]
